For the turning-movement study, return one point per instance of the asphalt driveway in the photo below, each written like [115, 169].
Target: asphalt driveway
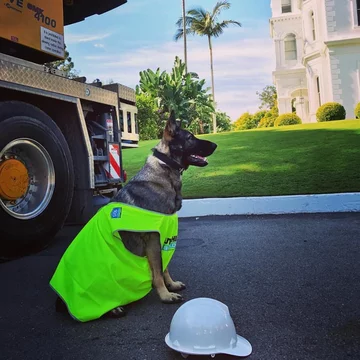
[292, 284]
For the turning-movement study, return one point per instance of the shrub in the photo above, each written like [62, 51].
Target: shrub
[268, 120]
[287, 119]
[245, 122]
[330, 111]
[357, 111]
[258, 116]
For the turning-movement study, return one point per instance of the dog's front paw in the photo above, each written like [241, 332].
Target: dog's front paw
[176, 286]
[118, 312]
[171, 298]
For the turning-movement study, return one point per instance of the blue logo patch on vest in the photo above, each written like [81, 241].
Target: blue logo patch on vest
[169, 244]
[116, 213]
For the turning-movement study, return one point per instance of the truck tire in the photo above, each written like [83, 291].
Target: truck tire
[36, 179]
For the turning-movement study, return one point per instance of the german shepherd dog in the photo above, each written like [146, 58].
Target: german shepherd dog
[157, 187]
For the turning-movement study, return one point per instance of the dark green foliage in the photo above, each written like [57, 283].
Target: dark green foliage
[66, 65]
[268, 120]
[268, 97]
[147, 118]
[223, 122]
[330, 111]
[177, 90]
[258, 116]
[287, 119]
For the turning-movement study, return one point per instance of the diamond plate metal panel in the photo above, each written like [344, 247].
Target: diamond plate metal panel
[124, 92]
[24, 75]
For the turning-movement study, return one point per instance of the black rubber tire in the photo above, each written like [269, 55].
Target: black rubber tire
[23, 237]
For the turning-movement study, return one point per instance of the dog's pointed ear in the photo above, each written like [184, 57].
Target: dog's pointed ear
[171, 126]
[172, 117]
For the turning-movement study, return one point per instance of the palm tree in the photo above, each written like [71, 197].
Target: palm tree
[184, 34]
[204, 23]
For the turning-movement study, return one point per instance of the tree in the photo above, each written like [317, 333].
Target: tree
[258, 116]
[178, 90]
[268, 97]
[223, 121]
[245, 121]
[147, 118]
[204, 23]
[270, 116]
[66, 65]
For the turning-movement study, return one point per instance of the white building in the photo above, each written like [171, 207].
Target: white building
[317, 45]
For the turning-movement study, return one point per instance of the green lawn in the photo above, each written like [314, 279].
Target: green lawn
[298, 159]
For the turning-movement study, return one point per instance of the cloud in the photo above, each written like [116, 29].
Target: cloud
[99, 45]
[241, 67]
[81, 38]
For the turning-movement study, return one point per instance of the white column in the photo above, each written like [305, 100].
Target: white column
[301, 108]
[299, 49]
[278, 53]
[284, 105]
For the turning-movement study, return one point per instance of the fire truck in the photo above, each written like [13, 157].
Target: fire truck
[61, 139]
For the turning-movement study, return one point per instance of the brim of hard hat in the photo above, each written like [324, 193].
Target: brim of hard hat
[242, 348]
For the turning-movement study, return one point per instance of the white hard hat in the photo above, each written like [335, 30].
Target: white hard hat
[204, 326]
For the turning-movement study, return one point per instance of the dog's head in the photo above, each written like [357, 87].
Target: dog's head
[184, 147]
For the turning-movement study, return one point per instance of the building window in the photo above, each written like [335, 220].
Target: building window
[318, 90]
[313, 26]
[358, 11]
[136, 124]
[121, 120]
[129, 121]
[290, 47]
[286, 6]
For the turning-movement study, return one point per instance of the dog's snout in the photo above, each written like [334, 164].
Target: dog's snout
[212, 147]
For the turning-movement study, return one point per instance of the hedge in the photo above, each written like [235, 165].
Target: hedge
[357, 111]
[245, 122]
[287, 119]
[330, 111]
[267, 121]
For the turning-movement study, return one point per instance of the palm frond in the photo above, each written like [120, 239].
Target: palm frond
[180, 33]
[201, 27]
[197, 13]
[218, 29]
[179, 22]
[194, 75]
[188, 21]
[220, 5]
[225, 23]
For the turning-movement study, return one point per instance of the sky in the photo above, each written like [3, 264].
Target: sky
[139, 35]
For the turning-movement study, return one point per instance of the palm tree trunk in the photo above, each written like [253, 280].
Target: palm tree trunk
[201, 126]
[184, 35]
[212, 82]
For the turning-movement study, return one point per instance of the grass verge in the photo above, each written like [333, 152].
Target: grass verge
[298, 159]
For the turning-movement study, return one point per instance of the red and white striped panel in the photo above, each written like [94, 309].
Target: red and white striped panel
[113, 168]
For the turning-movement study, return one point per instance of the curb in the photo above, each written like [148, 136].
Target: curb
[267, 205]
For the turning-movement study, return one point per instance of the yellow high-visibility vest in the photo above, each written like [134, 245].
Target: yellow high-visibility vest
[97, 273]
